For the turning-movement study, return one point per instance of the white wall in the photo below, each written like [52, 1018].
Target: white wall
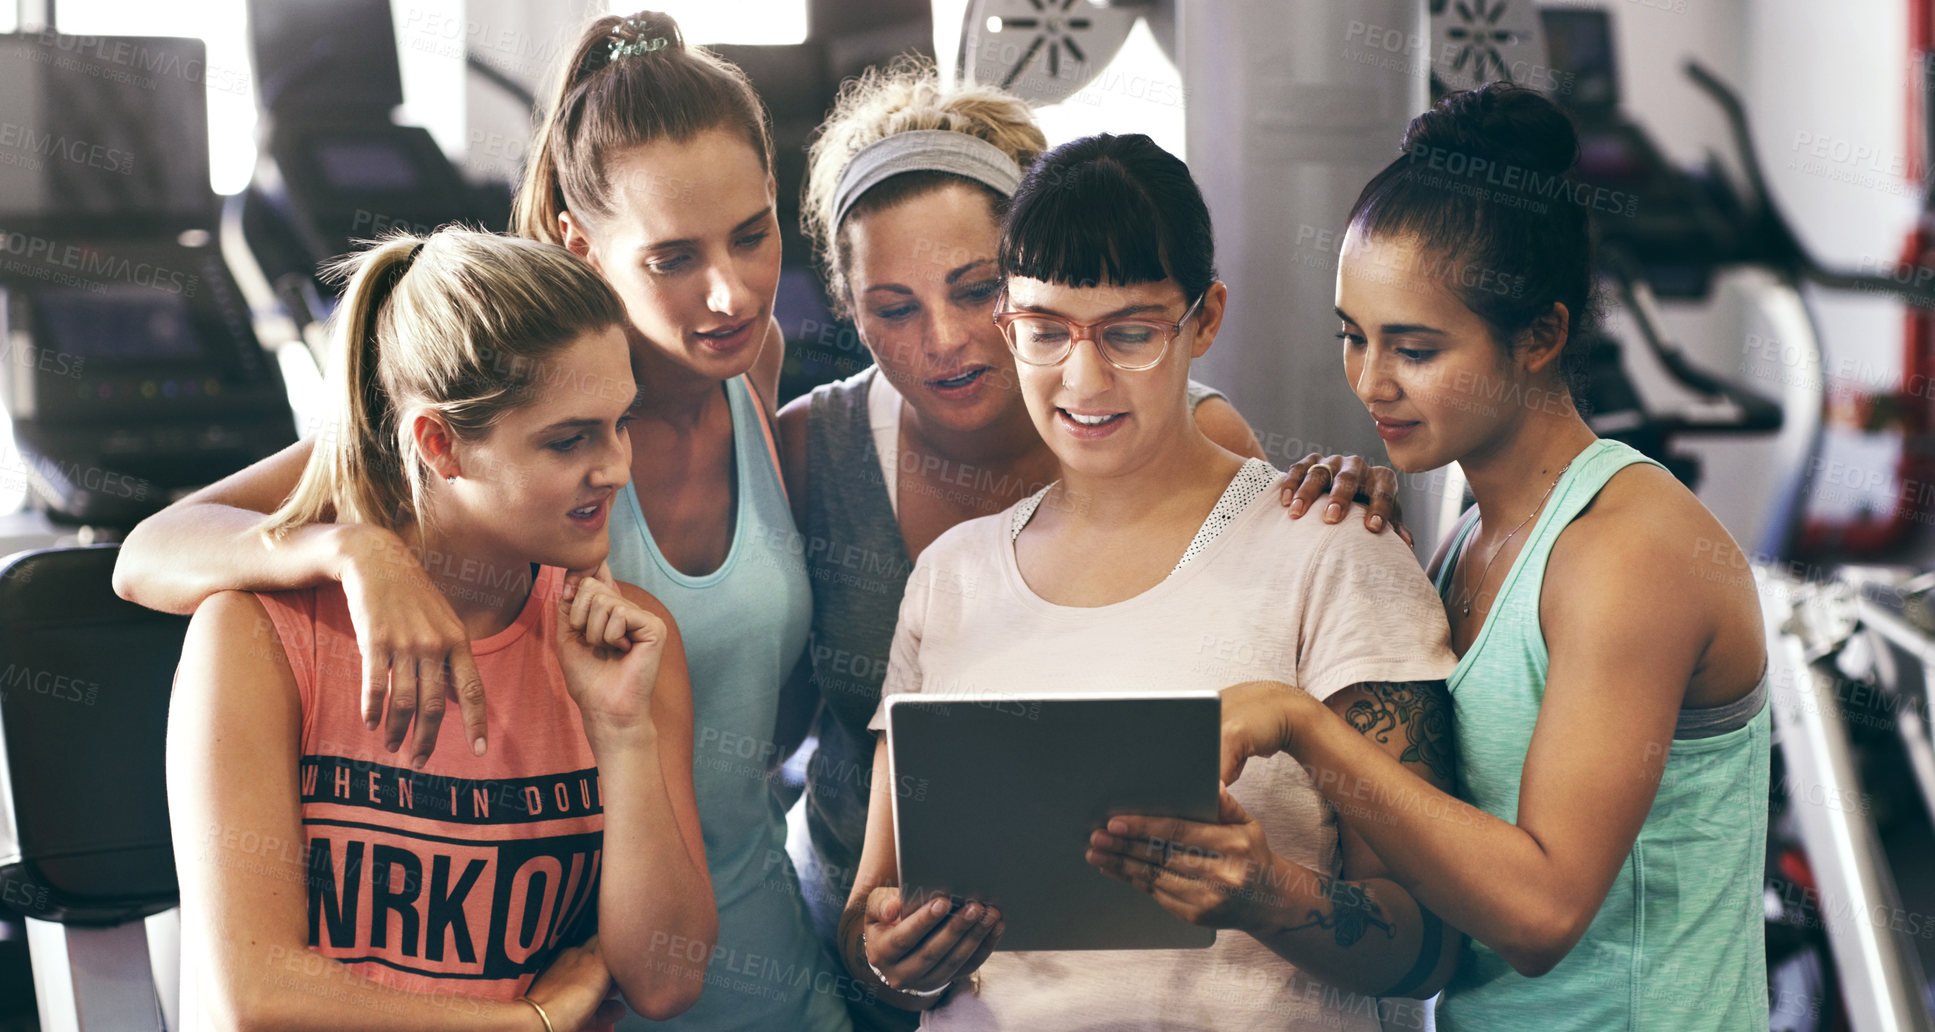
[526, 42]
[432, 67]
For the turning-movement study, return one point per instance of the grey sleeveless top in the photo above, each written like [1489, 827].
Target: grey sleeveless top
[858, 564]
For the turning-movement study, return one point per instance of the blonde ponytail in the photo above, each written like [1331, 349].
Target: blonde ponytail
[455, 323]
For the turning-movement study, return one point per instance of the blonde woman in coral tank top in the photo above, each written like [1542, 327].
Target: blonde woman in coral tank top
[326, 882]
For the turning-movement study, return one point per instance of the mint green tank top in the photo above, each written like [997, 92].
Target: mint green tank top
[744, 626]
[1679, 943]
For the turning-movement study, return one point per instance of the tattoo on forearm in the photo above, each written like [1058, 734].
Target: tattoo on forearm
[1421, 710]
[1353, 913]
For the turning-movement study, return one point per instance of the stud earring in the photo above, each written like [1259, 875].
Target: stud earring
[451, 479]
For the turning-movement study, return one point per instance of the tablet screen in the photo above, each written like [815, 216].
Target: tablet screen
[996, 796]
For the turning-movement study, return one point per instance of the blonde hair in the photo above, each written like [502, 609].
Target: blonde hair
[655, 88]
[905, 96]
[455, 322]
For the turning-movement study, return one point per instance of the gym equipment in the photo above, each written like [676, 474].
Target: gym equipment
[1851, 658]
[1046, 50]
[1666, 232]
[335, 169]
[131, 370]
[85, 849]
[1909, 411]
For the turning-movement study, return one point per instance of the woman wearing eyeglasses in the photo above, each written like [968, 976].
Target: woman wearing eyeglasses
[1161, 561]
[908, 182]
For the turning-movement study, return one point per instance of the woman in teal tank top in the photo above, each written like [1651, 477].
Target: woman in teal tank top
[751, 616]
[1605, 852]
[655, 165]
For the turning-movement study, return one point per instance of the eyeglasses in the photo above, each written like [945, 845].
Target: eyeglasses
[1130, 344]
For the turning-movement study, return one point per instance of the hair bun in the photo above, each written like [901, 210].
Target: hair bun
[1501, 121]
[644, 33]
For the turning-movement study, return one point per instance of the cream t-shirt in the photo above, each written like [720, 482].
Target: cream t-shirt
[1270, 598]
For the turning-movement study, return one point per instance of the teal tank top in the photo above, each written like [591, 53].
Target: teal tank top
[744, 626]
[1679, 943]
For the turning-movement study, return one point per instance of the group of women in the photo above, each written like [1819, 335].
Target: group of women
[561, 522]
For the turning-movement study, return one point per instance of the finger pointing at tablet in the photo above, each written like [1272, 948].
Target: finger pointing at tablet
[1255, 722]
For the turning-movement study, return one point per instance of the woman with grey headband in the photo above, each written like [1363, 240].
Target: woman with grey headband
[907, 186]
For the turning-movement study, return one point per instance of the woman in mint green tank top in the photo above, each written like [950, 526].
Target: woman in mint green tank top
[1605, 852]
[656, 166]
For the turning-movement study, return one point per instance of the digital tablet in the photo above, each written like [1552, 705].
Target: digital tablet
[996, 795]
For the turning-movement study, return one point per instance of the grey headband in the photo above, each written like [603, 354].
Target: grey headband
[924, 150]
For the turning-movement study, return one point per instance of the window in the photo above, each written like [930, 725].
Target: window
[223, 26]
[433, 82]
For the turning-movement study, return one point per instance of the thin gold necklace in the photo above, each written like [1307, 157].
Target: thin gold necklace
[1473, 593]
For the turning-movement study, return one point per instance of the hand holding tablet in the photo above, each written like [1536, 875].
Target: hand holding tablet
[921, 951]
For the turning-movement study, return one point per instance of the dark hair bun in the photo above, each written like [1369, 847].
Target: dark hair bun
[1500, 121]
[1482, 186]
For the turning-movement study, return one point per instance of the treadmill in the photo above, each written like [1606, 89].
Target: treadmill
[334, 169]
[128, 363]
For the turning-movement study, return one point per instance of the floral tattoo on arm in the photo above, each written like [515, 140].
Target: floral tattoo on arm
[1420, 711]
